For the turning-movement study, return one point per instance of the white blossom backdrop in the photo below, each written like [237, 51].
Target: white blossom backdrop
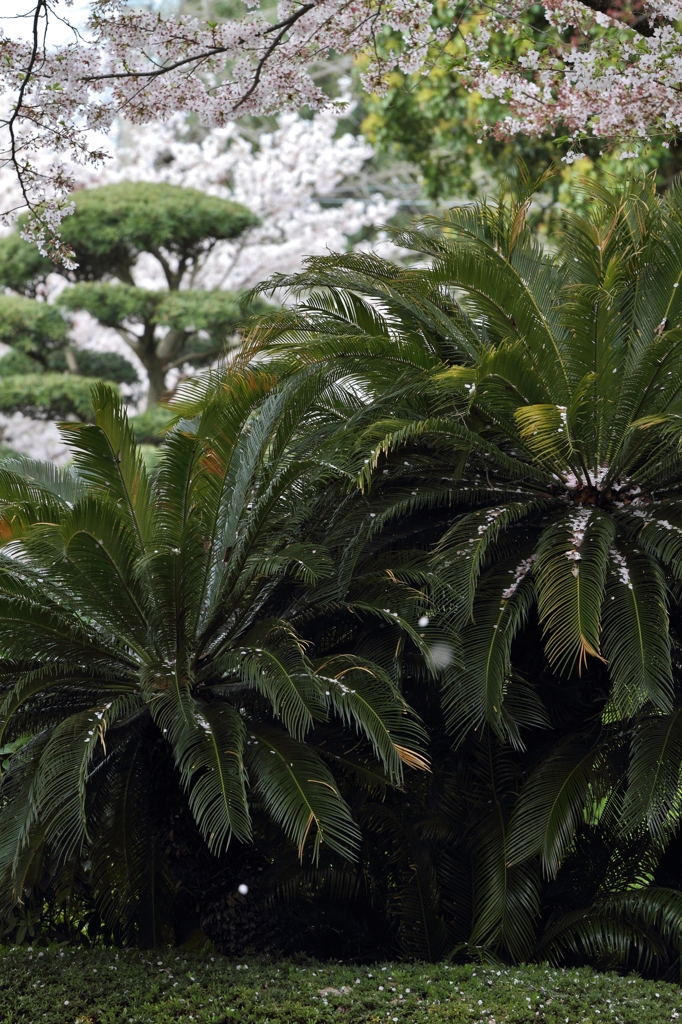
[287, 177]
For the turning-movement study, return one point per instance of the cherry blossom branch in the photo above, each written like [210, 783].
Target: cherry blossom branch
[283, 29]
[160, 70]
[641, 24]
[616, 74]
[41, 6]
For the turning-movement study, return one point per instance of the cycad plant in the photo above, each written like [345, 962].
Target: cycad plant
[520, 408]
[150, 628]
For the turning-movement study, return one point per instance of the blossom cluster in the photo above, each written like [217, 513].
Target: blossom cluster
[604, 73]
[147, 68]
[522, 569]
[589, 69]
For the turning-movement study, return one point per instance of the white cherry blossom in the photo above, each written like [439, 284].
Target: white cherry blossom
[595, 69]
[286, 178]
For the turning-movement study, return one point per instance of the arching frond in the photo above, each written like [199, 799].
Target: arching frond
[571, 577]
[551, 806]
[636, 634]
[299, 792]
[211, 760]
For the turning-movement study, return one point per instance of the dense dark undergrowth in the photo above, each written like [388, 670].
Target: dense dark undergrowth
[75, 986]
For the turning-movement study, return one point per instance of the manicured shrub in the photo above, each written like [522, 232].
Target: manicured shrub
[105, 365]
[108, 987]
[110, 228]
[151, 425]
[47, 395]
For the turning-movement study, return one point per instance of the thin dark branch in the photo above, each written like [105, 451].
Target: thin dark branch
[188, 357]
[40, 6]
[163, 69]
[281, 28]
[272, 47]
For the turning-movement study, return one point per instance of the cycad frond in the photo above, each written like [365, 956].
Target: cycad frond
[300, 793]
[164, 606]
[516, 418]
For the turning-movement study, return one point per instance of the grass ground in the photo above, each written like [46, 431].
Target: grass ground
[74, 986]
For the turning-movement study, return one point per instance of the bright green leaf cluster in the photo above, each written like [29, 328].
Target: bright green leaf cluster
[31, 327]
[46, 396]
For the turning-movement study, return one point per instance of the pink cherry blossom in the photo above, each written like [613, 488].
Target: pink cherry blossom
[593, 69]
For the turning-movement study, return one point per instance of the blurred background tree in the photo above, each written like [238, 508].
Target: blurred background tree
[301, 178]
[431, 138]
[40, 375]
[434, 124]
[113, 229]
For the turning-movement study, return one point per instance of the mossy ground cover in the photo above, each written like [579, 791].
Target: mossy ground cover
[73, 986]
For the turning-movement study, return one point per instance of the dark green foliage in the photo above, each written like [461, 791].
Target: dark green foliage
[154, 653]
[22, 268]
[467, 471]
[47, 396]
[151, 425]
[31, 327]
[519, 425]
[208, 319]
[113, 224]
[105, 365]
[104, 987]
[15, 363]
[32, 376]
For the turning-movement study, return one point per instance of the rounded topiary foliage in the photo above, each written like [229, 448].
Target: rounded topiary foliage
[22, 267]
[151, 425]
[33, 328]
[15, 363]
[113, 224]
[47, 396]
[105, 365]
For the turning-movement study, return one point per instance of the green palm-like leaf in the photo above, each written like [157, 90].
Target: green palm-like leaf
[653, 794]
[545, 430]
[300, 794]
[571, 577]
[513, 413]
[210, 757]
[614, 928]
[475, 695]
[507, 898]
[162, 613]
[636, 634]
[551, 805]
[364, 696]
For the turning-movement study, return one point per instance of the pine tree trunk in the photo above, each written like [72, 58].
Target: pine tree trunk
[156, 371]
[154, 364]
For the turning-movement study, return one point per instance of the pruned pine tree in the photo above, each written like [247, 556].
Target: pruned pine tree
[111, 228]
[525, 405]
[32, 380]
[146, 616]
